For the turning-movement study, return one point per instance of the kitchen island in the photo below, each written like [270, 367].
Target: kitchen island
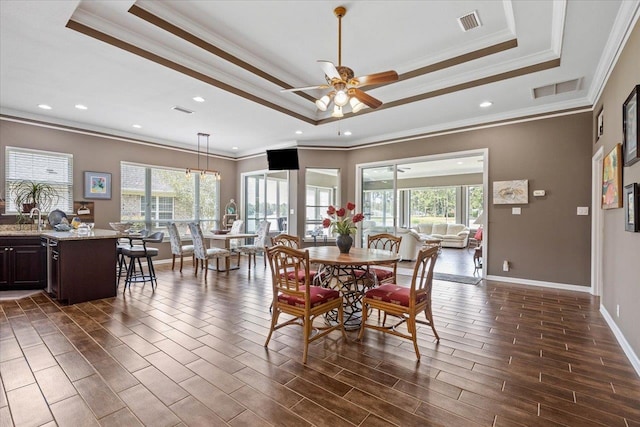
[81, 267]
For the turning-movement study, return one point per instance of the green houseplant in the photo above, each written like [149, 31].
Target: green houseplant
[30, 194]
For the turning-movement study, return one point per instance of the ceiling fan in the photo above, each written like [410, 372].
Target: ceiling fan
[345, 88]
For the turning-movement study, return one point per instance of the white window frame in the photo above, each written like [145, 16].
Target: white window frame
[37, 165]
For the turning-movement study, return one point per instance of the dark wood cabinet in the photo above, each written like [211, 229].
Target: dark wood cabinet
[83, 270]
[22, 263]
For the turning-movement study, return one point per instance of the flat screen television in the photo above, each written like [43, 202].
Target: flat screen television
[283, 159]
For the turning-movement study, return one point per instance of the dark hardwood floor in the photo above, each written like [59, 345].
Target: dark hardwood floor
[192, 354]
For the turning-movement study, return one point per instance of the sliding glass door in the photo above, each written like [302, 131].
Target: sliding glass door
[266, 196]
[378, 200]
[403, 194]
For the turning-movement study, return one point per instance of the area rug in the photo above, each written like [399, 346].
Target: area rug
[468, 280]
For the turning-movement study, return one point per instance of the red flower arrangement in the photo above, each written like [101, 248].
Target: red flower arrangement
[342, 221]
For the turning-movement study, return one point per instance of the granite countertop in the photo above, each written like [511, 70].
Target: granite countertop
[63, 235]
[73, 235]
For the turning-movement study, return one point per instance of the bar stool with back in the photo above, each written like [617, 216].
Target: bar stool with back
[137, 252]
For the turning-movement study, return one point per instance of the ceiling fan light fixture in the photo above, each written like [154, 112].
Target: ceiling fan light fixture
[337, 112]
[341, 99]
[356, 105]
[323, 103]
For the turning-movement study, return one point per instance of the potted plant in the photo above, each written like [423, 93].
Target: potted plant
[30, 194]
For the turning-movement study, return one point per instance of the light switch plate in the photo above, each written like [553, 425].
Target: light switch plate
[583, 210]
[516, 211]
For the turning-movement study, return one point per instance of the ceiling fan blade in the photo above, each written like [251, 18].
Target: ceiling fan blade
[330, 70]
[365, 98]
[296, 89]
[377, 78]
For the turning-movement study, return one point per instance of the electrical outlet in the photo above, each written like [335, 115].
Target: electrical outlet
[617, 310]
[505, 265]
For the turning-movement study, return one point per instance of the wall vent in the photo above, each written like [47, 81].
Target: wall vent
[181, 109]
[556, 88]
[469, 21]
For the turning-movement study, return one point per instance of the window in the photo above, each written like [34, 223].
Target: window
[266, 196]
[152, 196]
[433, 204]
[55, 169]
[320, 193]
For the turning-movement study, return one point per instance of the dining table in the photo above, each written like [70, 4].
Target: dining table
[226, 239]
[350, 274]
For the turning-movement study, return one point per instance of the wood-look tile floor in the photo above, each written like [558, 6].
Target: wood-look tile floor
[192, 354]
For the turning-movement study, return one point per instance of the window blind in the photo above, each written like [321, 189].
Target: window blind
[55, 169]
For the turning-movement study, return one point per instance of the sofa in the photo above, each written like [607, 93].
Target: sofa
[452, 235]
[410, 244]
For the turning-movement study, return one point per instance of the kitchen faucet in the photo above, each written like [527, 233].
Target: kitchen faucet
[39, 217]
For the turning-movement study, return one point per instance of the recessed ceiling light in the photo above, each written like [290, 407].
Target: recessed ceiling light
[298, 132]
[137, 126]
[347, 133]
[198, 99]
[81, 107]
[234, 148]
[486, 104]
[460, 163]
[44, 106]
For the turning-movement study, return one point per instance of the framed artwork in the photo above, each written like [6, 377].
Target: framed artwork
[97, 185]
[600, 124]
[511, 192]
[630, 120]
[612, 179]
[632, 207]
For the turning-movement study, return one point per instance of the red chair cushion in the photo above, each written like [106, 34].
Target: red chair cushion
[312, 274]
[318, 295]
[393, 294]
[381, 274]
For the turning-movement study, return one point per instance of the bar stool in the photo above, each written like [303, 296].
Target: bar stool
[136, 252]
[122, 243]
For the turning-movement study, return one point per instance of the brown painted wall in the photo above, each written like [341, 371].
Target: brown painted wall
[548, 241]
[94, 153]
[621, 280]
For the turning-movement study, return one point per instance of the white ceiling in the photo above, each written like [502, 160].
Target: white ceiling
[42, 61]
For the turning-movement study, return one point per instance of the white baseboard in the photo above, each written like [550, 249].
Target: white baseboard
[554, 285]
[631, 355]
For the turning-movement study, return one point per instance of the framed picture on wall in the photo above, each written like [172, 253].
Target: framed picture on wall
[630, 120]
[612, 179]
[632, 207]
[97, 185]
[600, 124]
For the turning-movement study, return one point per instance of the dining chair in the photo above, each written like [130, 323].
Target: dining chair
[387, 242]
[236, 228]
[294, 242]
[258, 245]
[204, 254]
[177, 248]
[287, 240]
[404, 302]
[299, 298]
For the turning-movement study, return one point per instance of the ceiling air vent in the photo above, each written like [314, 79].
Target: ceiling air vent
[556, 88]
[469, 21]
[181, 109]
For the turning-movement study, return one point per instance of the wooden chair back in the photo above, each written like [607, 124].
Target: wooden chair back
[287, 240]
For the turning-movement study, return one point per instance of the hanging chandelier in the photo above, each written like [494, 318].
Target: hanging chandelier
[204, 138]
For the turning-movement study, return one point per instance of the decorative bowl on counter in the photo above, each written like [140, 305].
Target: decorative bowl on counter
[55, 217]
[62, 227]
[121, 226]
